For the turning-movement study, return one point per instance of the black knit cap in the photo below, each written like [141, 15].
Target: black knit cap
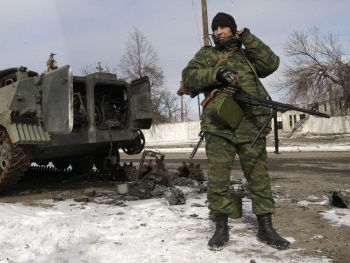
[222, 19]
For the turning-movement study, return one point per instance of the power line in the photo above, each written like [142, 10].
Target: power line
[196, 20]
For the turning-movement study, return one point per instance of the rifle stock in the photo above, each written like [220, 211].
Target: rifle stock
[206, 100]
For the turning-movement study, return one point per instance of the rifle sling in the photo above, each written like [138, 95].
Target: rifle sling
[256, 75]
[207, 95]
[273, 113]
[224, 57]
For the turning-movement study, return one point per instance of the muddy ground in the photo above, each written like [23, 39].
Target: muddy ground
[295, 177]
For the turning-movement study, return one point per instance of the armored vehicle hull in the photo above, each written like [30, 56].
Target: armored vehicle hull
[68, 120]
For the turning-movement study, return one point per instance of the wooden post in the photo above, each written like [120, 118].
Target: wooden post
[205, 23]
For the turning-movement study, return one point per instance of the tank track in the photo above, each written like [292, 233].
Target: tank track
[66, 175]
[14, 161]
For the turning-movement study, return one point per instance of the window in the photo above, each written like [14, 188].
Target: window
[279, 125]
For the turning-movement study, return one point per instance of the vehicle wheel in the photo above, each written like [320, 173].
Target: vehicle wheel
[5, 152]
[137, 145]
[14, 161]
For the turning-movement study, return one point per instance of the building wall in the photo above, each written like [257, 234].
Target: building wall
[186, 133]
[289, 119]
[333, 125]
[173, 133]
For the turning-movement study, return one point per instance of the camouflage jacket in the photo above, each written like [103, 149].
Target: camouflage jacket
[200, 75]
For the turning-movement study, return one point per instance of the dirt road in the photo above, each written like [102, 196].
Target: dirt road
[300, 182]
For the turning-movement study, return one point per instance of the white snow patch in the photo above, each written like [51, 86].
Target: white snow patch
[141, 231]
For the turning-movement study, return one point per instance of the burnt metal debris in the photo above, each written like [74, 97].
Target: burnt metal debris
[337, 199]
[154, 173]
[150, 179]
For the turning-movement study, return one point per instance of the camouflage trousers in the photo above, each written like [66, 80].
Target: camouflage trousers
[221, 154]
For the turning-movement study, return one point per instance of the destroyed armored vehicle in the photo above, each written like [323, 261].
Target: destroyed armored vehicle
[79, 122]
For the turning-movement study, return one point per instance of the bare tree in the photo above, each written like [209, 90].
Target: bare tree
[319, 70]
[139, 60]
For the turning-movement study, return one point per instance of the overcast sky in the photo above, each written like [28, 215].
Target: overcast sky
[85, 32]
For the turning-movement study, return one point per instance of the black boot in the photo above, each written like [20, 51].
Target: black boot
[267, 234]
[221, 235]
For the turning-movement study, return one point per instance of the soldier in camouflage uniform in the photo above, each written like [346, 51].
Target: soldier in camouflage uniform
[202, 74]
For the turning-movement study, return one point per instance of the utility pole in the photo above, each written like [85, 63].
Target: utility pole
[205, 23]
[205, 38]
[206, 43]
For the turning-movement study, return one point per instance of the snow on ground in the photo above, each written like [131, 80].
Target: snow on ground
[132, 231]
[336, 216]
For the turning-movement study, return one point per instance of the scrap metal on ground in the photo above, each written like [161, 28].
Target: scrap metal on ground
[151, 178]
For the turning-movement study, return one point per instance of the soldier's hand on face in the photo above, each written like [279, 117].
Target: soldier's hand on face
[226, 76]
[240, 34]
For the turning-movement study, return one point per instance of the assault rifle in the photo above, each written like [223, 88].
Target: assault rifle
[240, 96]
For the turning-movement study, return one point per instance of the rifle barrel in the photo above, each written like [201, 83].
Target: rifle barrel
[282, 107]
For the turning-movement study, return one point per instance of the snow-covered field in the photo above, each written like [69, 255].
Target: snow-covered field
[131, 231]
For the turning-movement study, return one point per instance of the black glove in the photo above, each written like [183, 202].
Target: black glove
[246, 32]
[226, 76]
